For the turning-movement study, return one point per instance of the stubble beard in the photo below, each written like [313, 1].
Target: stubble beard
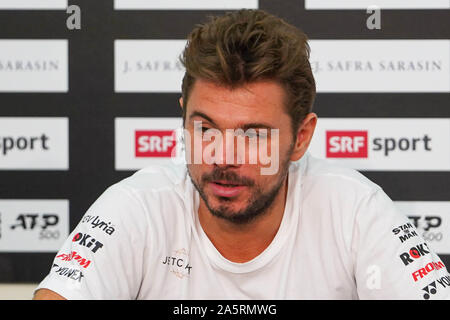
[257, 205]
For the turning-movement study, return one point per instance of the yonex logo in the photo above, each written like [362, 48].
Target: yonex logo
[429, 290]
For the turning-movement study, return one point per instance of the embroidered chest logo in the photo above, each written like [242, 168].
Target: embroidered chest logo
[178, 263]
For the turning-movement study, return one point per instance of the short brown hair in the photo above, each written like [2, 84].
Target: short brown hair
[251, 45]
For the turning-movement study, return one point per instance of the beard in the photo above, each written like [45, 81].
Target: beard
[258, 203]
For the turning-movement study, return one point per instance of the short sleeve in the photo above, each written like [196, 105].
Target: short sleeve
[391, 259]
[103, 256]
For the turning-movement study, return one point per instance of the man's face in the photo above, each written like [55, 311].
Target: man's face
[237, 191]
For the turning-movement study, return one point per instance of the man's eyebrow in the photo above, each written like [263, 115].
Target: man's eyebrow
[254, 125]
[243, 126]
[201, 114]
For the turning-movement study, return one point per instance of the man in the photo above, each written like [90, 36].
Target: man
[222, 227]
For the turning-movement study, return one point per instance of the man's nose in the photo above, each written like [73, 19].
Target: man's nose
[225, 151]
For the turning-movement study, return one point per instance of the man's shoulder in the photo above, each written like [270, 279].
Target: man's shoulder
[143, 194]
[148, 189]
[327, 176]
[156, 179]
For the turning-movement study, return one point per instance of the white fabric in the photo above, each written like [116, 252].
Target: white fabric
[336, 241]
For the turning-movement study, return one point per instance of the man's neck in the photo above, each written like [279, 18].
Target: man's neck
[242, 243]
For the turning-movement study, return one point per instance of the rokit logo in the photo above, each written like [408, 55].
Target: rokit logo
[87, 241]
[404, 232]
[34, 65]
[155, 143]
[432, 288]
[34, 143]
[354, 144]
[33, 225]
[414, 253]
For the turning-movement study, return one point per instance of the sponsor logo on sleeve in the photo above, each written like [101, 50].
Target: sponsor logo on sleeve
[433, 287]
[74, 256]
[414, 253]
[83, 239]
[70, 273]
[429, 267]
[404, 232]
[96, 222]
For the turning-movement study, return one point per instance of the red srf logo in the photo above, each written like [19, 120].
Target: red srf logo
[347, 144]
[155, 143]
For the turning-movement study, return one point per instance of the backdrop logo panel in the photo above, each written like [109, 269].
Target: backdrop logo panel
[140, 142]
[184, 5]
[381, 65]
[431, 218]
[33, 225]
[34, 66]
[384, 144]
[34, 143]
[148, 65]
[384, 4]
[33, 4]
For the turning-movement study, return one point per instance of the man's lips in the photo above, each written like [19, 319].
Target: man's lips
[222, 188]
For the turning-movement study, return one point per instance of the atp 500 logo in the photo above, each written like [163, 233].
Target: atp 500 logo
[429, 225]
[44, 222]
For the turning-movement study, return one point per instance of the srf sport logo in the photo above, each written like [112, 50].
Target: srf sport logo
[155, 143]
[355, 144]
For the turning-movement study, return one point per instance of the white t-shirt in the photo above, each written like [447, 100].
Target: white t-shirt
[340, 238]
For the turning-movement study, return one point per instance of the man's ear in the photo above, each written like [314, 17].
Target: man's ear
[181, 102]
[304, 135]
